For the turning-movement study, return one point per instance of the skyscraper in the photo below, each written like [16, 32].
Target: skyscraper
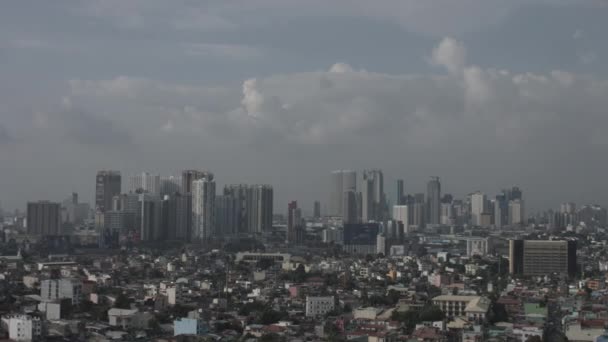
[44, 218]
[259, 208]
[228, 214]
[418, 214]
[516, 212]
[294, 221]
[350, 213]
[176, 211]
[150, 219]
[400, 192]
[401, 213]
[189, 176]
[373, 198]
[170, 185]
[317, 210]
[501, 211]
[203, 207]
[146, 182]
[433, 197]
[478, 207]
[341, 181]
[107, 185]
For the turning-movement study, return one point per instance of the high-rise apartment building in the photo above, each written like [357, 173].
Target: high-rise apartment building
[342, 181]
[373, 199]
[433, 198]
[542, 257]
[145, 182]
[501, 211]
[228, 215]
[478, 207]
[254, 207]
[176, 211]
[418, 214]
[516, 212]
[44, 218]
[189, 176]
[401, 213]
[203, 207]
[107, 185]
[170, 185]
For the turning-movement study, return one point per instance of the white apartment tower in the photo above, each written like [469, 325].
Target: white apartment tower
[203, 207]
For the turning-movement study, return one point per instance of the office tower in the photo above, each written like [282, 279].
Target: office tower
[516, 212]
[108, 185]
[317, 210]
[501, 211]
[203, 207]
[542, 257]
[350, 208]
[433, 198]
[151, 217]
[189, 176]
[170, 185]
[294, 223]
[401, 213]
[478, 207]
[176, 211]
[372, 194]
[513, 194]
[145, 182]
[228, 214]
[44, 218]
[341, 181]
[400, 192]
[418, 214]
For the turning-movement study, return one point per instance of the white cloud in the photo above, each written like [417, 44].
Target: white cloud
[340, 68]
[450, 54]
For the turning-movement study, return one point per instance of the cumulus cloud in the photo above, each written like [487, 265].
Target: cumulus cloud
[469, 117]
[340, 68]
[450, 54]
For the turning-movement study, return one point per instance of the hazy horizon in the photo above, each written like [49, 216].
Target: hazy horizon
[284, 92]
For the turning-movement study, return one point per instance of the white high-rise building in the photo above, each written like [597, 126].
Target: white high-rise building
[516, 212]
[203, 207]
[401, 213]
[342, 181]
[145, 181]
[478, 207]
[22, 327]
[447, 215]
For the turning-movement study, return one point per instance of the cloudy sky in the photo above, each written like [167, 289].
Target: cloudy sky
[483, 93]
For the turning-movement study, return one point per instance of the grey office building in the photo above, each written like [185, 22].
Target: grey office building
[107, 185]
[44, 218]
[433, 198]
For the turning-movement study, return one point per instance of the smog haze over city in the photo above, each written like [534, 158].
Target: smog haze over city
[304, 170]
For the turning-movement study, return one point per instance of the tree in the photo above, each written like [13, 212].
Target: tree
[265, 264]
[122, 302]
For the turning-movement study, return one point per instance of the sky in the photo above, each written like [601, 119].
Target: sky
[485, 94]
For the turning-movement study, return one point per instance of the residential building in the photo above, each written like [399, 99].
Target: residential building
[433, 198]
[203, 208]
[22, 327]
[65, 288]
[342, 181]
[319, 306]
